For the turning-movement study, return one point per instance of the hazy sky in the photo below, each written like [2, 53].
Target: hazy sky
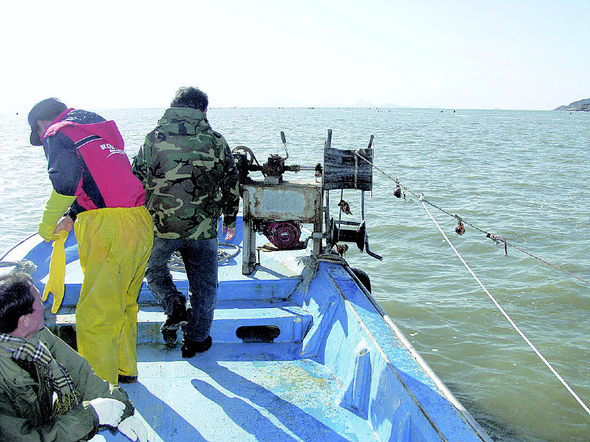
[508, 54]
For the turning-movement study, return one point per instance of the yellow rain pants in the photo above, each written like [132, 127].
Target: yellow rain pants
[114, 245]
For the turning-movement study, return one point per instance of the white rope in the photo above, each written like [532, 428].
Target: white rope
[22, 266]
[530, 344]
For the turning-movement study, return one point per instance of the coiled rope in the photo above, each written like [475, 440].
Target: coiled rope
[530, 344]
[312, 262]
[225, 252]
[20, 266]
[496, 238]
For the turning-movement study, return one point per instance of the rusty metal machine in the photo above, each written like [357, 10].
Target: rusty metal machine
[277, 208]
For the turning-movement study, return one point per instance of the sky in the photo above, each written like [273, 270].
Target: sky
[471, 54]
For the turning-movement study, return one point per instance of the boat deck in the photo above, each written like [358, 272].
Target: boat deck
[336, 370]
[243, 392]
[237, 390]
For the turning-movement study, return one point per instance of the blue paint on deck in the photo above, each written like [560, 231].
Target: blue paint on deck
[337, 370]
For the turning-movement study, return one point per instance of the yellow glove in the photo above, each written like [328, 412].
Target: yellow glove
[55, 208]
[57, 271]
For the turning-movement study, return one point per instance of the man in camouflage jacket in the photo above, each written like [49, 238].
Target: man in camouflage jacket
[190, 179]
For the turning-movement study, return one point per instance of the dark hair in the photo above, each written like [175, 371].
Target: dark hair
[190, 97]
[16, 300]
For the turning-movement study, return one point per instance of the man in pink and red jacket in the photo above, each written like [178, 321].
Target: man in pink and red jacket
[96, 193]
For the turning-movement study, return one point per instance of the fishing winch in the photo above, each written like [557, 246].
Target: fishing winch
[277, 207]
[347, 169]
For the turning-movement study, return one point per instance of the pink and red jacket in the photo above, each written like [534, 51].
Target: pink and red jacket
[86, 158]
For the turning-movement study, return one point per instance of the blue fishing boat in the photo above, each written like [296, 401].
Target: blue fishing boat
[301, 350]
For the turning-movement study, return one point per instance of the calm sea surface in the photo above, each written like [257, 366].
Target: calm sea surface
[523, 175]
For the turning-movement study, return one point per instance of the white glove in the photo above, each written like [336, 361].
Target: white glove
[109, 411]
[97, 438]
[134, 429]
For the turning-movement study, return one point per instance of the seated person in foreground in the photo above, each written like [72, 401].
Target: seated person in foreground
[47, 390]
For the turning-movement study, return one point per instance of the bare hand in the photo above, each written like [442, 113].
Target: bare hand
[65, 223]
[231, 232]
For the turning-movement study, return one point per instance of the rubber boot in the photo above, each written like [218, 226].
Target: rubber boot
[190, 348]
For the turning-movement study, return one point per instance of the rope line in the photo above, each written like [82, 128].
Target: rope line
[530, 344]
[496, 238]
[22, 266]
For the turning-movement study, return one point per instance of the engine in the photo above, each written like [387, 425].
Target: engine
[283, 235]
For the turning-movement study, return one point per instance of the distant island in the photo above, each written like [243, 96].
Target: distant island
[582, 105]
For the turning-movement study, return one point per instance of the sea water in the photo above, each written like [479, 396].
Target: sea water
[521, 175]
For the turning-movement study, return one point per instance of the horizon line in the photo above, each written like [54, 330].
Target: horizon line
[6, 111]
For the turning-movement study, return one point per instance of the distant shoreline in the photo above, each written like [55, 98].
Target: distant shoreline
[578, 106]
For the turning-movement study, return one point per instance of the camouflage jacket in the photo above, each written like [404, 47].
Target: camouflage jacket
[189, 176]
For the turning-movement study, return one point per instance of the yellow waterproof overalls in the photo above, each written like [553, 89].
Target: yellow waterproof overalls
[114, 245]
